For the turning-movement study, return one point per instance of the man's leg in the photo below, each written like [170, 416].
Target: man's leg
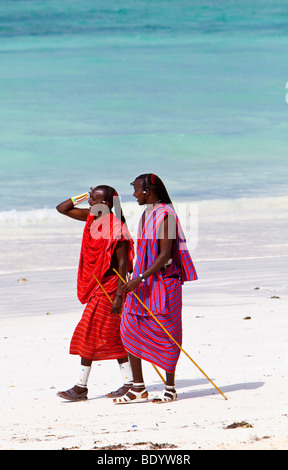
[126, 371]
[169, 393]
[136, 365]
[138, 390]
[79, 391]
[170, 379]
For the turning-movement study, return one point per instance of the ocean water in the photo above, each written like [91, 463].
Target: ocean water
[96, 92]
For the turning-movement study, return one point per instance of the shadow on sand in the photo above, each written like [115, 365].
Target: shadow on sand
[185, 384]
[188, 394]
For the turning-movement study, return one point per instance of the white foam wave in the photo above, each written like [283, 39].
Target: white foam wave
[215, 207]
[27, 217]
[244, 205]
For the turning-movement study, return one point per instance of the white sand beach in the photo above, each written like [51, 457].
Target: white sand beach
[234, 325]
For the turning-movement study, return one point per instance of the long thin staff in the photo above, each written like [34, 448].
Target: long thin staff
[109, 298]
[172, 338]
[107, 295]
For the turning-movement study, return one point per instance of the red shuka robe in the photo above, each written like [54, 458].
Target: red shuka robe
[97, 335]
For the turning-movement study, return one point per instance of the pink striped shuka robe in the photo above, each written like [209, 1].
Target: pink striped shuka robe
[141, 335]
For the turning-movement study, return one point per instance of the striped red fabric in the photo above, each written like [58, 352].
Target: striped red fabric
[97, 335]
[100, 238]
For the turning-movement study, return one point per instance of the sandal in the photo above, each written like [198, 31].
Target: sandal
[72, 395]
[132, 396]
[120, 392]
[169, 394]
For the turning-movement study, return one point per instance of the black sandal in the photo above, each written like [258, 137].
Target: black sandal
[73, 396]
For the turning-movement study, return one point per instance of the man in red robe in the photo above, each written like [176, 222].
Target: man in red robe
[106, 244]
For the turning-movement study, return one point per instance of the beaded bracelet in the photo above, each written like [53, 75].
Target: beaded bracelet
[80, 198]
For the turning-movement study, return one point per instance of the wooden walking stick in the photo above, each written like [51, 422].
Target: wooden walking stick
[108, 296]
[159, 323]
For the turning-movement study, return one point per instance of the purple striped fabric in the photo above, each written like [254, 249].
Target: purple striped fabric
[153, 292]
[141, 335]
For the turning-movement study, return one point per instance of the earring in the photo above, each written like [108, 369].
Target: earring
[144, 192]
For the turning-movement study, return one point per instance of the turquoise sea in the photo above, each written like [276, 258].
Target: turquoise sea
[100, 91]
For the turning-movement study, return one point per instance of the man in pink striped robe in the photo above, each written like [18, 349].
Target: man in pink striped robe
[163, 264]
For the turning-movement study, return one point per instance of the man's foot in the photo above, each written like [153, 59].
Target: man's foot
[136, 394]
[74, 394]
[120, 392]
[168, 394]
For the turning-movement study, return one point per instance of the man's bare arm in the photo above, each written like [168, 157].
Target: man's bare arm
[67, 208]
[165, 250]
[121, 254]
